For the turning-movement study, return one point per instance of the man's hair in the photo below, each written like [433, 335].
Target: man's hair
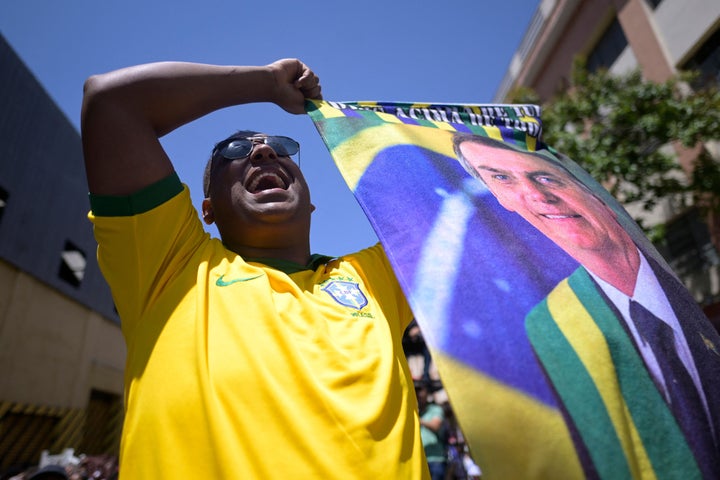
[462, 137]
[545, 155]
[209, 164]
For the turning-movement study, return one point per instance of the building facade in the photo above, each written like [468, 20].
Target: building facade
[660, 38]
[61, 350]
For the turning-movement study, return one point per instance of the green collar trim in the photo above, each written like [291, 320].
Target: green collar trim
[139, 202]
[288, 267]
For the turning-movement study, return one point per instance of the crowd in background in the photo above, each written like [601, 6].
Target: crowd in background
[68, 467]
[447, 453]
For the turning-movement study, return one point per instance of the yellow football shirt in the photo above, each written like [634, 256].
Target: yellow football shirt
[237, 369]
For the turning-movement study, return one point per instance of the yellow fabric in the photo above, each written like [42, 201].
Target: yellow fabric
[513, 435]
[267, 376]
[590, 345]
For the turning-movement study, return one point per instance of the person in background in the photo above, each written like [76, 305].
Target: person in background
[432, 418]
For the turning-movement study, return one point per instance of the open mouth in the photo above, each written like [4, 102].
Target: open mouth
[262, 180]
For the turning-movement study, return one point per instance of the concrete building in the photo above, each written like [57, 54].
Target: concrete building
[61, 350]
[659, 37]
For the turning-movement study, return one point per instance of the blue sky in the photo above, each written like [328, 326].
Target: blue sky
[385, 50]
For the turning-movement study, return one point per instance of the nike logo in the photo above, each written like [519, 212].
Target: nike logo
[224, 283]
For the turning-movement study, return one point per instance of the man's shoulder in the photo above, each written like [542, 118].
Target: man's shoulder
[375, 252]
[139, 202]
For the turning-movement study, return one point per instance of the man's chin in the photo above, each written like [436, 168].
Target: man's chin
[278, 212]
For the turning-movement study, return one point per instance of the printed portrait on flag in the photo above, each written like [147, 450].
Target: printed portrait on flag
[549, 314]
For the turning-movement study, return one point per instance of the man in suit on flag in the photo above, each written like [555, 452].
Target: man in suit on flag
[620, 335]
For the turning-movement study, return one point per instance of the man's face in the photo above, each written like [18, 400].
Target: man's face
[546, 196]
[261, 189]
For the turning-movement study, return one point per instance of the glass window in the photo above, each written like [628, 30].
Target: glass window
[72, 264]
[706, 61]
[608, 49]
[4, 195]
[687, 245]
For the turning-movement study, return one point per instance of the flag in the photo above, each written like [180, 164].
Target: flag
[518, 267]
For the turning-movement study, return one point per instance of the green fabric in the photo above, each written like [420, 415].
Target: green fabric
[578, 393]
[288, 267]
[139, 202]
[664, 442]
[665, 445]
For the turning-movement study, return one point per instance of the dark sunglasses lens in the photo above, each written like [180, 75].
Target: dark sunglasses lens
[236, 149]
[283, 146]
[241, 147]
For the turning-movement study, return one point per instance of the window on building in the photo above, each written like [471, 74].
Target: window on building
[3, 201]
[608, 49]
[706, 61]
[72, 264]
[687, 245]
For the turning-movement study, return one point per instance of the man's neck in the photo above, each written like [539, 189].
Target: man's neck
[619, 267]
[299, 255]
[277, 242]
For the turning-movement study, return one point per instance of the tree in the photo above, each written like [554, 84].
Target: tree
[618, 129]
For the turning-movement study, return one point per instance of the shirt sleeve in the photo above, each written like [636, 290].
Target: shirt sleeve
[143, 241]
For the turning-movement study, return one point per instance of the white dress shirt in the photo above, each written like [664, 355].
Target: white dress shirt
[649, 293]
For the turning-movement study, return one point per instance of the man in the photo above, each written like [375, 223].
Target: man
[590, 333]
[247, 357]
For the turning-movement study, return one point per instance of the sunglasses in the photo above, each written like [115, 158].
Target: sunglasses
[237, 148]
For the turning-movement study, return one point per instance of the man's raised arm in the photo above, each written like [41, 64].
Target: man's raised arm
[126, 111]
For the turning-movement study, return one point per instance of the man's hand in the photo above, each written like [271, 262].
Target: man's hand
[129, 109]
[294, 82]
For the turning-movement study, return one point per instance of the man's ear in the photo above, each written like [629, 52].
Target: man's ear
[208, 214]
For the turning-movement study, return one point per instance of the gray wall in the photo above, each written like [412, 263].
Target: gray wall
[41, 170]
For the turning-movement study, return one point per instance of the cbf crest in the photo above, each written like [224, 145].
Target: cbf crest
[346, 293]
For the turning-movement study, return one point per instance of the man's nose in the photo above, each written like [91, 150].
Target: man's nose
[262, 152]
[537, 193]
